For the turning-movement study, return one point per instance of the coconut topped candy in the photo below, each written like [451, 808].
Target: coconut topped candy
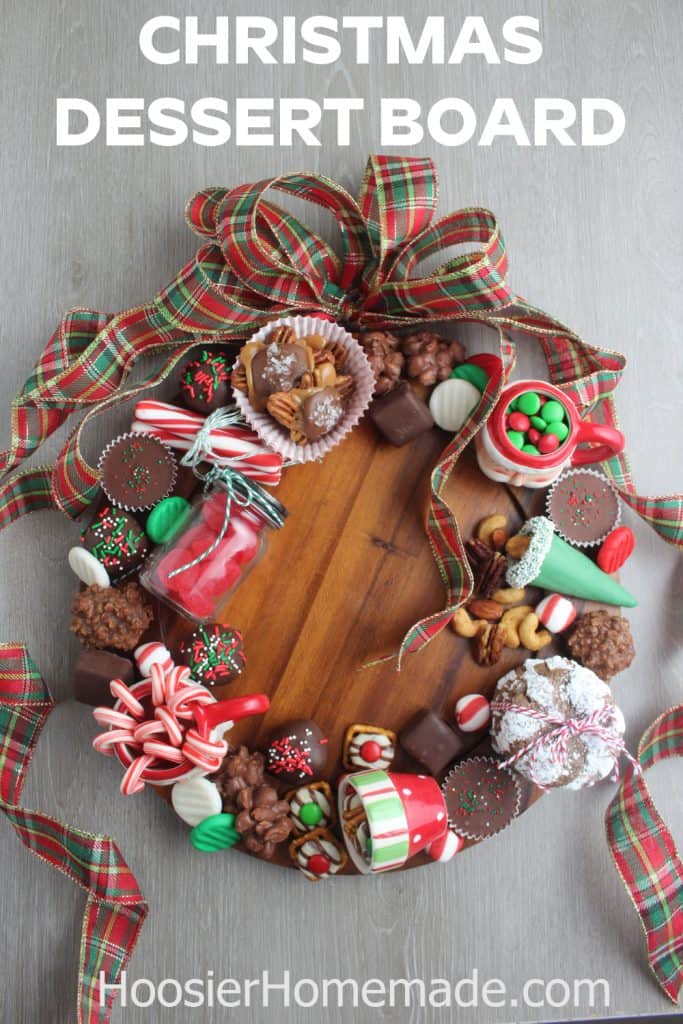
[556, 723]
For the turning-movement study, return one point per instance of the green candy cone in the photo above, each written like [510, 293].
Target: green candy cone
[566, 570]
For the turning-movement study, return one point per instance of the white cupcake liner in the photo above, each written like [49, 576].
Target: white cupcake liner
[601, 476]
[276, 436]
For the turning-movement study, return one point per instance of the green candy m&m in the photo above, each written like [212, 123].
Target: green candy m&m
[538, 422]
[530, 449]
[472, 373]
[552, 412]
[560, 430]
[166, 519]
[529, 403]
[310, 814]
[516, 438]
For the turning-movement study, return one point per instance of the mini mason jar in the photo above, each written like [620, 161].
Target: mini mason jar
[206, 560]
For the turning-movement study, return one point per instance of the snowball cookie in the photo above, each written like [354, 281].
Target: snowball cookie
[534, 700]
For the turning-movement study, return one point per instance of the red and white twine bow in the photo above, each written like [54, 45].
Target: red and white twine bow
[555, 740]
[164, 739]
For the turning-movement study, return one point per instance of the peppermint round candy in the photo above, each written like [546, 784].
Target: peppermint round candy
[556, 613]
[153, 653]
[472, 713]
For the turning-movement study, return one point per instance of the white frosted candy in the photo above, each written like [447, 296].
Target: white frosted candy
[196, 799]
[88, 568]
[451, 402]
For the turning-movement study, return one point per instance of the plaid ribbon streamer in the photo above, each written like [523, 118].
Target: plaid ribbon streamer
[646, 857]
[115, 909]
[257, 262]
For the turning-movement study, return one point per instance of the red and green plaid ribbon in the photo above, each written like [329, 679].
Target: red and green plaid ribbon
[257, 262]
[646, 857]
[115, 909]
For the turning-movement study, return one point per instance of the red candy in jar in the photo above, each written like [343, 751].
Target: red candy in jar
[201, 566]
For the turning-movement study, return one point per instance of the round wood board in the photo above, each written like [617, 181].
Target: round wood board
[339, 586]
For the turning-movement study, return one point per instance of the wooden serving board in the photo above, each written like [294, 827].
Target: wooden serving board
[339, 586]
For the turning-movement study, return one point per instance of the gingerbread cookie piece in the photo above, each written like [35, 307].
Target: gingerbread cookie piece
[368, 746]
[311, 806]
[318, 854]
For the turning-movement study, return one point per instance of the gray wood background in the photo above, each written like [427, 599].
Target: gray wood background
[594, 236]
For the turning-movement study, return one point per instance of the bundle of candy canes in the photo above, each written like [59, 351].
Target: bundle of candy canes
[230, 445]
[159, 734]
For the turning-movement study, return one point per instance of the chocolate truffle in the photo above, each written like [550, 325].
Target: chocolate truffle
[401, 415]
[214, 654]
[278, 367]
[481, 798]
[93, 673]
[602, 642]
[116, 540]
[297, 752]
[320, 412]
[432, 743]
[137, 471]
[583, 506]
[205, 382]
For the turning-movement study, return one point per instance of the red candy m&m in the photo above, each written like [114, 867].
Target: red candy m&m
[319, 864]
[371, 751]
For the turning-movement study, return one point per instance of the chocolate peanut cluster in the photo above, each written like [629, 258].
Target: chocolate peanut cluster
[425, 358]
[262, 819]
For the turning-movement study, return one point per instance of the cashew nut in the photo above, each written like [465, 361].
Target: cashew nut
[528, 635]
[517, 545]
[464, 625]
[510, 623]
[509, 595]
[487, 526]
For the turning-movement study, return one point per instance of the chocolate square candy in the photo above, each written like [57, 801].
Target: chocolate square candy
[93, 672]
[401, 415]
[432, 743]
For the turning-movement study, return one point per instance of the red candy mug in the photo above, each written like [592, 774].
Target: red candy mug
[500, 460]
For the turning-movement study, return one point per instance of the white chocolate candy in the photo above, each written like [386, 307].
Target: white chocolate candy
[88, 568]
[196, 799]
[451, 402]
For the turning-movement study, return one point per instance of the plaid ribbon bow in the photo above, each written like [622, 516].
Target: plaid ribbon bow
[646, 857]
[256, 262]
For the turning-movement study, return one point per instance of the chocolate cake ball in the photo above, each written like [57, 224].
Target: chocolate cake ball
[117, 540]
[297, 752]
[205, 382]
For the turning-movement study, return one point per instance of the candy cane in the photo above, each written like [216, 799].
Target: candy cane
[148, 730]
[106, 741]
[117, 719]
[235, 445]
[173, 730]
[132, 779]
[163, 751]
[158, 679]
[125, 697]
[153, 653]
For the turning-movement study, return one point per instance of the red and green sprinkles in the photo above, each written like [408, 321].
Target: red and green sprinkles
[203, 377]
[116, 540]
[215, 654]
